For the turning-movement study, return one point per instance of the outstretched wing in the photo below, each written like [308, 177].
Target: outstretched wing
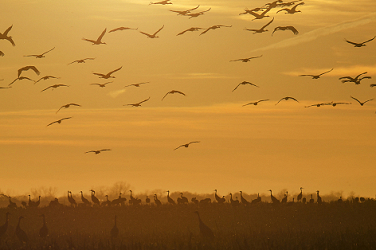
[205, 31]
[326, 72]
[263, 27]
[236, 87]
[356, 99]
[352, 42]
[109, 73]
[48, 51]
[7, 30]
[158, 30]
[369, 40]
[101, 36]
[144, 100]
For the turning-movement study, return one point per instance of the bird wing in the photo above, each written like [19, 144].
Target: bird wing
[99, 74]
[27, 68]
[46, 88]
[351, 42]
[195, 8]
[144, 100]
[326, 72]
[101, 36]
[205, 31]
[356, 99]
[179, 146]
[179, 92]
[292, 28]
[89, 40]
[369, 40]
[48, 51]
[158, 30]
[292, 98]
[106, 149]
[360, 75]
[193, 142]
[307, 75]
[52, 123]
[236, 87]
[90, 151]
[60, 108]
[267, 24]
[285, 9]
[109, 73]
[146, 34]
[7, 30]
[66, 118]
[248, 104]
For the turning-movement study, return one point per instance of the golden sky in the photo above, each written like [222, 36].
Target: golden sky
[250, 148]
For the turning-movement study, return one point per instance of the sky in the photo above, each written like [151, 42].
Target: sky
[254, 148]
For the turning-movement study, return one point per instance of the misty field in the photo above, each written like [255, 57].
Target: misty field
[346, 225]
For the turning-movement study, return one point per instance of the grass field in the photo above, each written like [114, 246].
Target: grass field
[345, 225]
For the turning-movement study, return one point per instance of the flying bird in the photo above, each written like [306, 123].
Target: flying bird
[55, 86]
[68, 105]
[260, 16]
[187, 144]
[317, 76]
[184, 12]
[357, 79]
[161, 2]
[318, 104]
[262, 29]
[245, 59]
[122, 28]
[101, 85]
[214, 27]
[360, 44]
[99, 39]
[292, 10]
[255, 103]
[244, 83]
[287, 98]
[40, 55]
[361, 103]
[173, 92]
[21, 78]
[108, 75]
[82, 60]
[190, 29]
[191, 15]
[97, 151]
[46, 78]
[135, 84]
[59, 121]
[152, 35]
[4, 36]
[292, 28]
[337, 103]
[248, 11]
[138, 104]
[27, 68]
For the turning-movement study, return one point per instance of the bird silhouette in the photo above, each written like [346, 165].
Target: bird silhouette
[21, 234]
[99, 39]
[93, 198]
[85, 201]
[40, 55]
[274, 200]
[262, 29]
[361, 103]
[182, 199]
[292, 10]
[169, 199]
[248, 11]
[147, 200]
[197, 14]
[136, 84]
[255, 103]
[317, 76]
[287, 98]
[4, 227]
[156, 200]
[46, 78]
[245, 83]
[187, 144]
[122, 28]
[217, 198]
[154, 35]
[114, 230]
[71, 200]
[21, 78]
[81, 60]
[300, 195]
[68, 105]
[205, 232]
[319, 200]
[101, 85]
[318, 104]
[108, 75]
[4, 36]
[357, 79]
[173, 92]
[284, 199]
[233, 202]
[2, 53]
[257, 200]
[214, 27]
[245, 59]
[360, 44]
[242, 199]
[98, 151]
[164, 2]
[260, 15]
[55, 86]
[138, 104]
[190, 29]
[43, 232]
[27, 68]
[184, 12]
[337, 103]
[59, 121]
[289, 27]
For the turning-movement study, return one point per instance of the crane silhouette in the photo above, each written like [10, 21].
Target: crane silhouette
[190, 29]
[26, 68]
[122, 28]
[59, 121]
[21, 78]
[4, 227]
[245, 83]
[187, 144]
[101, 85]
[154, 35]
[300, 195]
[156, 200]
[357, 79]
[138, 104]
[261, 15]
[361, 103]
[318, 76]
[184, 12]
[169, 199]
[68, 105]
[217, 198]
[257, 200]
[197, 14]
[255, 103]
[93, 198]
[164, 2]
[85, 201]
[109, 74]
[182, 199]
[245, 59]
[292, 10]
[81, 60]
[136, 84]
[284, 199]
[287, 98]
[262, 29]
[319, 200]
[147, 200]
[215, 27]
[21, 234]
[4, 36]
[274, 200]
[99, 39]
[205, 232]
[46, 78]
[55, 86]
[97, 151]
[43, 232]
[40, 55]
[289, 27]
[360, 44]
[233, 202]
[71, 200]
[173, 92]
[242, 199]
[114, 230]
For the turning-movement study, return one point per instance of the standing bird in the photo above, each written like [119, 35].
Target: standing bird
[169, 199]
[287, 98]
[114, 230]
[68, 105]
[190, 29]
[360, 44]
[84, 200]
[82, 60]
[319, 200]
[292, 10]
[98, 151]
[43, 232]
[156, 200]
[214, 27]
[255, 103]
[361, 103]
[284, 199]
[173, 92]
[242, 199]
[138, 104]
[300, 195]
[245, 59]
[55, 86]
[317, 76]
[244, 83]
[21, 234]
[59, 121]
[4, 36]
[292, 28]
[262, 29]
[219, 199]
[40, 55]
[27, 68]
[205, 232]
[154, 35]
[187, 144]
[274, 200]
[4, 227]
[99, 39]
[71, 199]
[147, 200]
[93, 198]
[108, 75]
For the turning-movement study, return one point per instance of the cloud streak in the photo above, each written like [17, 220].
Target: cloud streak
[324, 31]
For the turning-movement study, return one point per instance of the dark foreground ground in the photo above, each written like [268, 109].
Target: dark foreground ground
[256, 226]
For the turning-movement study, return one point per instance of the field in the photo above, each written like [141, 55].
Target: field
[346, 225]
